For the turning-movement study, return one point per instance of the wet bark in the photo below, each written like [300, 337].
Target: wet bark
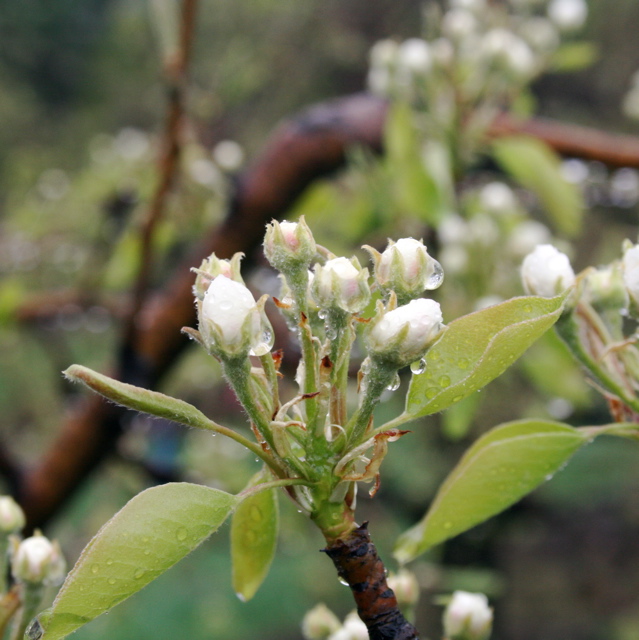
[359, 565]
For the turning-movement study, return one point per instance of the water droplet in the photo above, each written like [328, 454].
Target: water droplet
[331, 333]
[322, 314]
[225, 305]
[139, 573]
[342, 581]
[463, 363]
[444, 381]
[147, 552]
[436, 277]
[34, 630]
[528, 308]
[111, 581]
[418, 367]
[181, 534]
[431, 392]
[394, 384]
[457, 398]
[109, 563]
[95, 568]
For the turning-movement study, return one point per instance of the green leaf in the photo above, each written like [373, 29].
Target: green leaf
[146, 537]
[477, 348]
[145, 400]
[574, 56]
[500, 468]
[537, 167]
[254, 529]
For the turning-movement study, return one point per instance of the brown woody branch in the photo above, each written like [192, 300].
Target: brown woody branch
[308, 146]
[358, 564]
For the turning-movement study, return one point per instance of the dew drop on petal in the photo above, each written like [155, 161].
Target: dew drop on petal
[436, 278]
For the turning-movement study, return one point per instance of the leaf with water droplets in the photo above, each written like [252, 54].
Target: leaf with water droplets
[146, 537]
[501, 467]
[254, 530]
[477, 348]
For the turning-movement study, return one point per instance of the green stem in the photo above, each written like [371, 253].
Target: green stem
[31, 599]
[271, 375]
[273, 484]
[309, 357]
[401, 419]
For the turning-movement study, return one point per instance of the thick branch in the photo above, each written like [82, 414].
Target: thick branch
[358, 564]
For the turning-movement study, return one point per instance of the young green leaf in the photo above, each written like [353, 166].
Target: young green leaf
[477, 348]
[500, 468]
[145, 400]
[535, 166]
[254, 529]
[146, 537]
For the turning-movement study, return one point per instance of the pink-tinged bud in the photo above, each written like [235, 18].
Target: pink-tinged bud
[37, 560]
[404, 584]
[468, 617]
[12, 517]
[211, 268]
[341, 283]
[231, 322]
[546, 272]
[289, 245]
[401, 336]
[406, 268]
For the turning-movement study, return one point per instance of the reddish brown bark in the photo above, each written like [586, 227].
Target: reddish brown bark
[358, 564]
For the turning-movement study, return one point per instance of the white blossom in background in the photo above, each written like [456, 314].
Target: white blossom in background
[353, 629]
[624, 187]
[547, 272]
[498, 198]
[541, 34]
[228, 155]
[37, 560]
[568, 15]
[468, 617]
[476, 6]
[575, 171]
[526, 236]
[12, 517]
[414, 56]
[319, 623]
[459, 25]
[630, 265]
[506, 49]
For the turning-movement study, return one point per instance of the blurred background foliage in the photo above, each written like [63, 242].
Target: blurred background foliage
[82, 101]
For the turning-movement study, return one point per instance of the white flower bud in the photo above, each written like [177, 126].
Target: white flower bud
[289, 245]
[383, 53]
[353, 629]
[498, 198]
[509, 52]
[211, 268]
[526, 236]
[231, 322]
[630, 265]
[38, 561]
[546, 272]
[12, 517]
[319, 623]
[404, 584]
[568, 15]
[468, 617]
[341, 283]
[403, 334]
[540, 34]
[414, 56]
[406, 268]
[459, 24]
[229, 155]
[606, 286]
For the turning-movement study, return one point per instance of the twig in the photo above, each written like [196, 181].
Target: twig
[358, 564]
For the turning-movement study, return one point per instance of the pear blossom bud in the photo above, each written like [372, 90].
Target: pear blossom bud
[319, 623]
[231, 322]
[341, 283]
[11, 515]
[606, 287]
[353, 629]
[212, 267]
[468, 617]
[404, 584]
[546, 272]
[289, 245]
[630, 264]
[498, 198]
[568, 15]
[458, 24]
[406, 268]
[509, 52]
[414, 56]
[401, 336]
[37, 560]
